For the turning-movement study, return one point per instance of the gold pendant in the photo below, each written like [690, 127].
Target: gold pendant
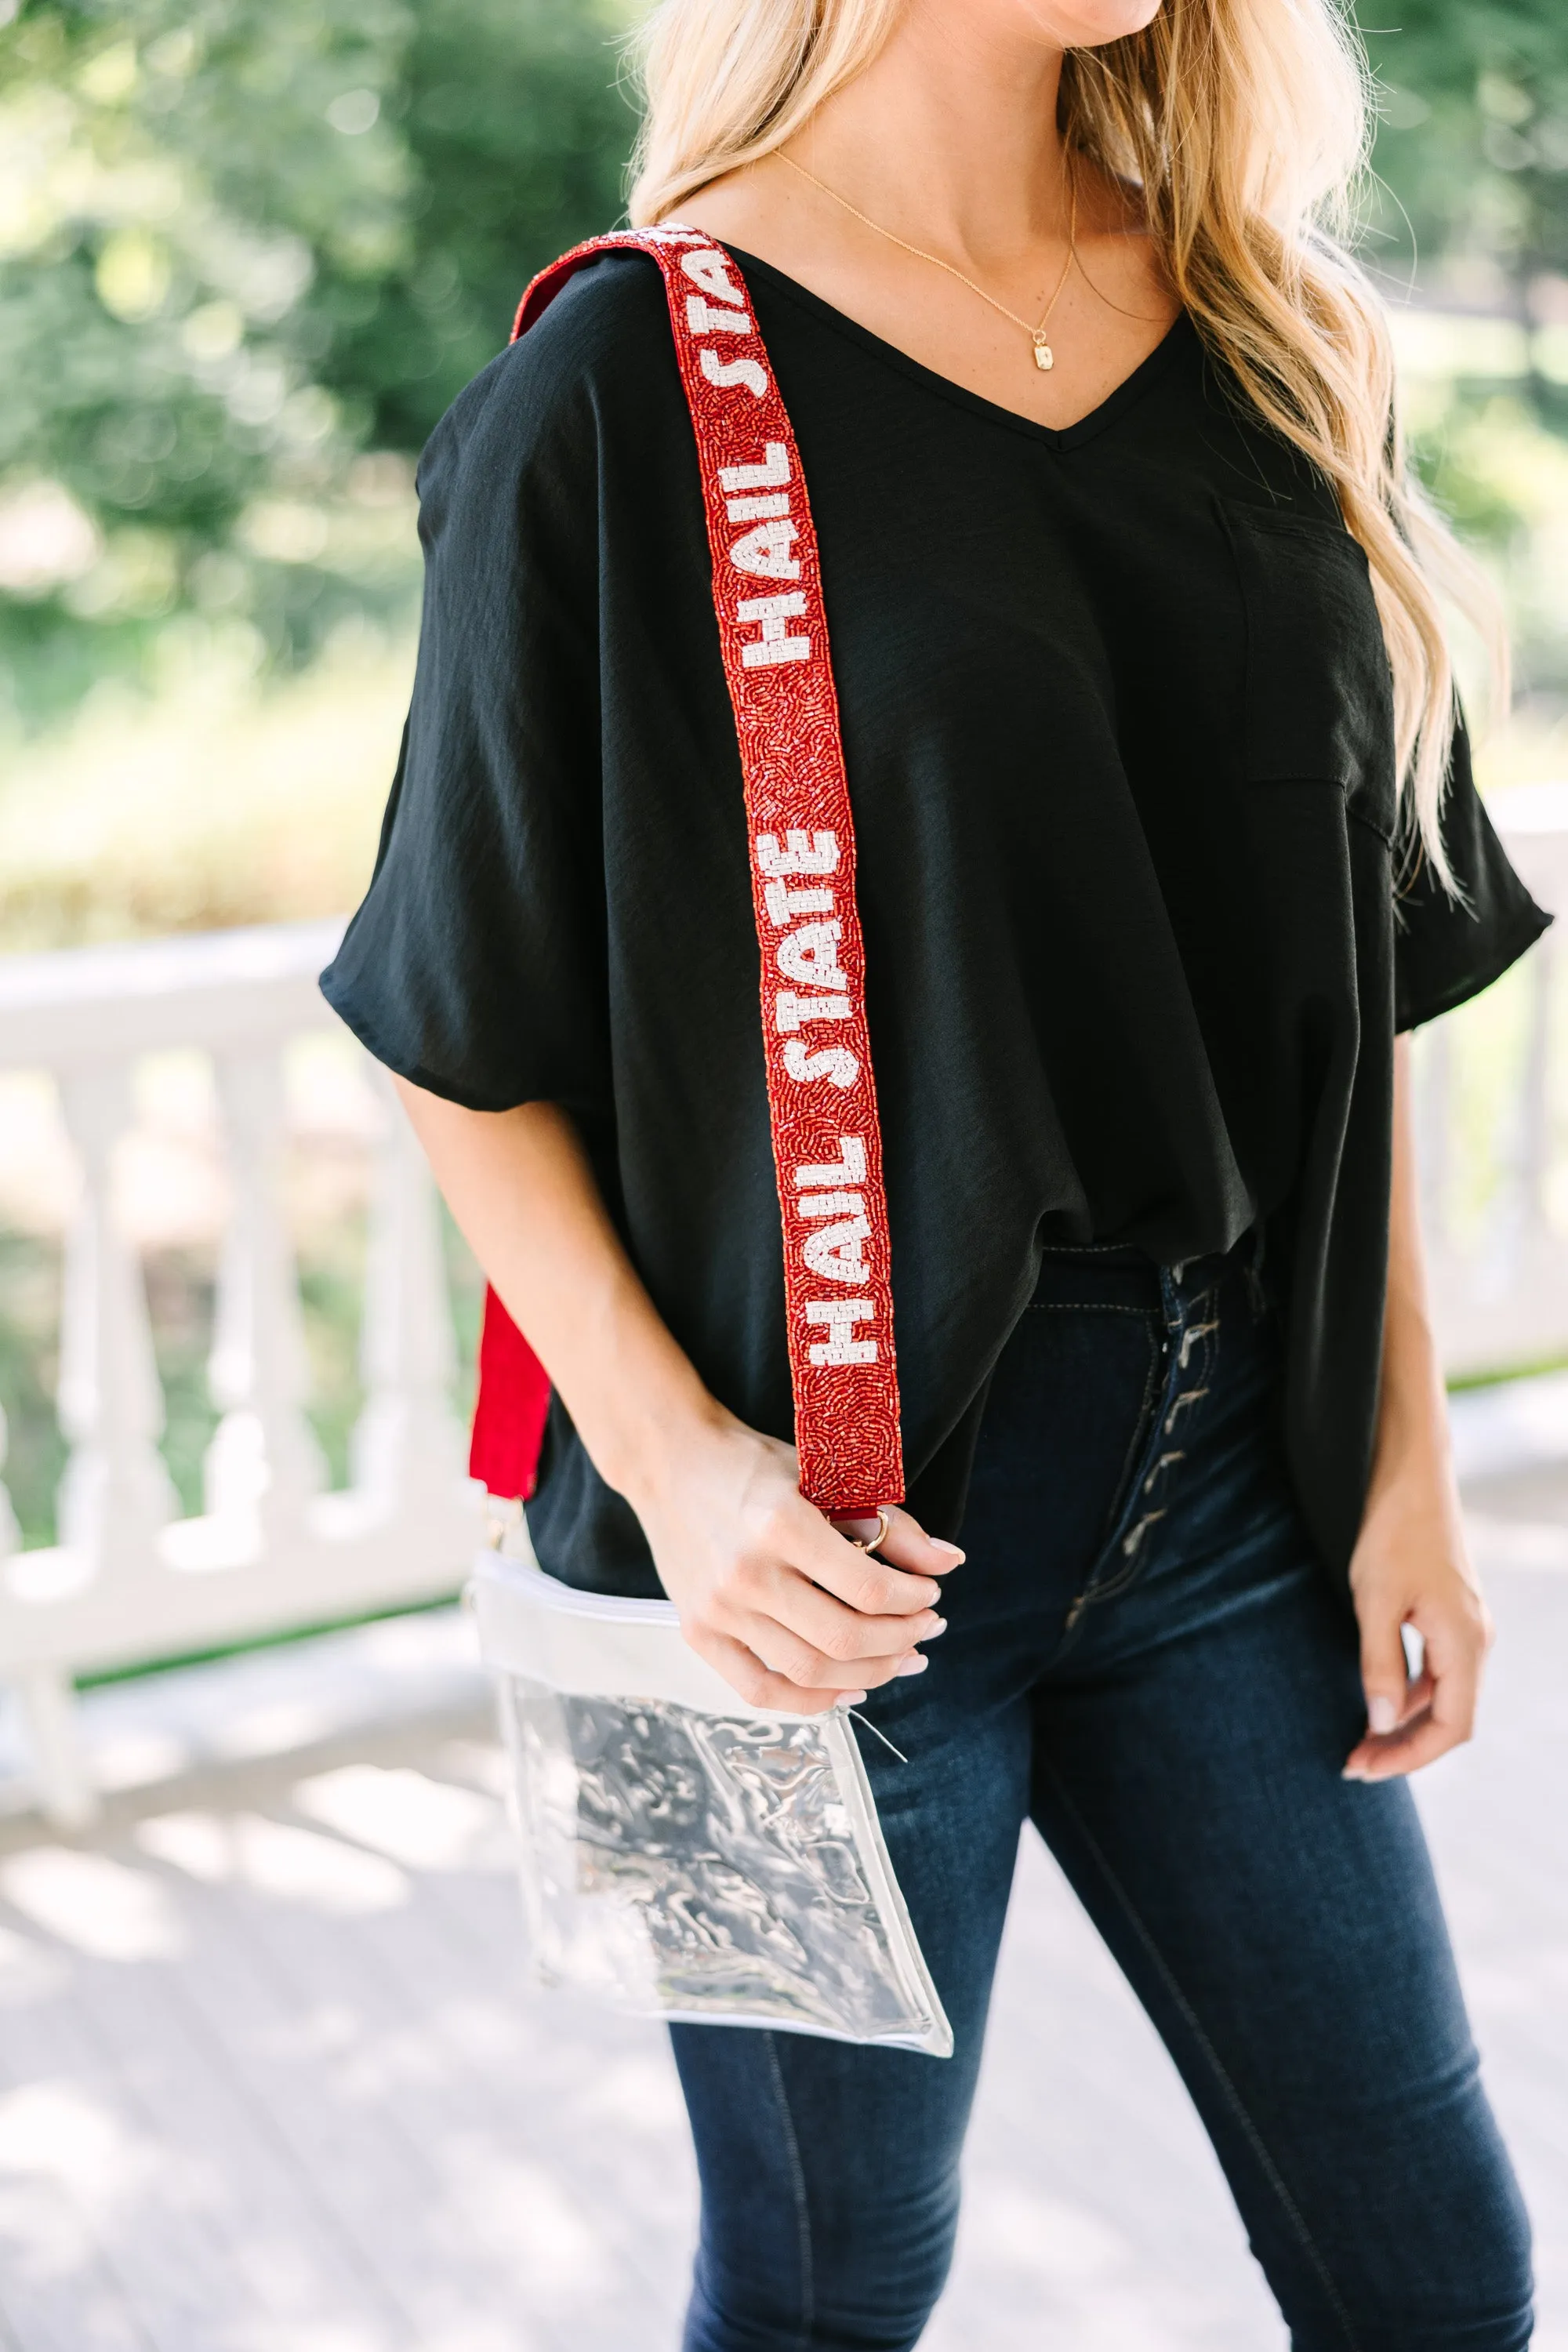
[1043, 355]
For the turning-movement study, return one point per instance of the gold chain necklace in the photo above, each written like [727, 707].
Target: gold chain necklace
[1043, 355]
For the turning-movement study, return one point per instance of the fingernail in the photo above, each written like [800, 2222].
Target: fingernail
[1352, 1772]
[1382, 1715]
[938, 1627]
[851, 1698]
[937, 1543]
[913, 1664]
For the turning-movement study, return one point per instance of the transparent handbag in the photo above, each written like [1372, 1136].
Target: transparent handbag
[683, 1854]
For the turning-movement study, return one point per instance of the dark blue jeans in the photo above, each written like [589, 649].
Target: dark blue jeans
[1144, 1658]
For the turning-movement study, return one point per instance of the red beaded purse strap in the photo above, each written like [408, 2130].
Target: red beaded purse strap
[822, 1098]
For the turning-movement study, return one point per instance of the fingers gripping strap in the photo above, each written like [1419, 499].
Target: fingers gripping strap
[822, 1099]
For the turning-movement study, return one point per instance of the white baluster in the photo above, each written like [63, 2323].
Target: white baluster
[1433, 1129]
[408, 1449]
[263, 1461]
[1518, 1217]
[66, 1790]
[116, 1493]
[47, 1700]
[1533, 1128]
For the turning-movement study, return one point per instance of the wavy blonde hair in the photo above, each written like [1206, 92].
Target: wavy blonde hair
[1245, 125]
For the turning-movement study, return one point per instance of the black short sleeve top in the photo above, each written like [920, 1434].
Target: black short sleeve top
[1118, 724]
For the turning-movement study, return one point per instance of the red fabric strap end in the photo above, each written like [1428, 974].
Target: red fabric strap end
[510, 1409]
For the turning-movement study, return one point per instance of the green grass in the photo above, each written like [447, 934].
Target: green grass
[283, 1641]
[222, 801]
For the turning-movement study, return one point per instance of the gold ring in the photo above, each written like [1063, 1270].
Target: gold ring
[871, 1543]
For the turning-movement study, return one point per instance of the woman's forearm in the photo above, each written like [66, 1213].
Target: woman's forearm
[1410, 1568]
[1413, 1413]
[523, 1195]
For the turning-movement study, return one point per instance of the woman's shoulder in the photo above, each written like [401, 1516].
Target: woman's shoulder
[611, 314]
[601, 349]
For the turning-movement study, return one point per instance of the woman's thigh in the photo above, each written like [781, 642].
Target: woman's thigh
[829, 2170]
[1282, 1929]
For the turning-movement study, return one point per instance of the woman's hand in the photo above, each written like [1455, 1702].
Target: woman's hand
[1411, 1568]
[793, 1615]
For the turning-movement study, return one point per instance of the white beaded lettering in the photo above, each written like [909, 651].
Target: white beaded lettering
[708, 271]
[766, 551]
[810, 955]
[774, 644]
[803, 852]
[831, 1204]
[784, 904]
[725, 373]
[771, 475]
[837, 1063]
[758, 509]
[704, 319]
[840, 1315]
[792, 1011]
[835, 1252]
[848, 1169]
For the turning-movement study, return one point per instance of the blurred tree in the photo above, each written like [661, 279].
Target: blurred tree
[242, 242]
[1473, 153]
[517, 132]
[1469, 207]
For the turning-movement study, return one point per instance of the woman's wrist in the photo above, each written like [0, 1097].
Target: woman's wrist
[1414, 1454]
[1412, 1442]
[643, 1442]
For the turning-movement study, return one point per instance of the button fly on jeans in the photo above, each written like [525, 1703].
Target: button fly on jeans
[1176, 1453]
[1135, 1534]
[1188, 1397]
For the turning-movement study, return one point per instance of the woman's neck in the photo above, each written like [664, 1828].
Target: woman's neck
[948, 144]
[949, 138]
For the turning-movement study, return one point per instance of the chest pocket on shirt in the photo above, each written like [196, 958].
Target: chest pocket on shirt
[1318, 695]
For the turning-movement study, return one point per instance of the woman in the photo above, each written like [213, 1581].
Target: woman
[1165, 828]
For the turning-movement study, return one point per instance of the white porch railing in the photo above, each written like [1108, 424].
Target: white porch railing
[1501, 1276]
[130, 1580]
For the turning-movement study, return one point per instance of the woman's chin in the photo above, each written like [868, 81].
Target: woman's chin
[1089, 24]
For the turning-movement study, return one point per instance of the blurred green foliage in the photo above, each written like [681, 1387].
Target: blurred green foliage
[1473, 143]
[1471, 193]
[1468, 206]
[242, 242]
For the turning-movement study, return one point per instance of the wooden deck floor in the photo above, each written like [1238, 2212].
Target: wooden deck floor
[267, 2082]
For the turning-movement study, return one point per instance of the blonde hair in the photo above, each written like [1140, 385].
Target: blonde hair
[1245, 125]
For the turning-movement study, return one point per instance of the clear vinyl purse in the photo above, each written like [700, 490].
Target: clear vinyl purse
[684, 1855]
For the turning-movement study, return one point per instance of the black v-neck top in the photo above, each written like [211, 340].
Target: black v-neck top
[1116, 719]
